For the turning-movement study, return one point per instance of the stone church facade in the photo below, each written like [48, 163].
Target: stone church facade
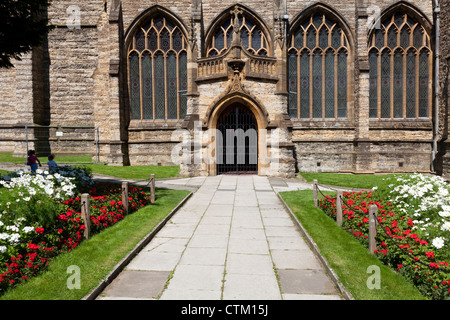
[328, 86]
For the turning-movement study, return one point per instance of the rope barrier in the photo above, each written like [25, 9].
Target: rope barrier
[385, 231]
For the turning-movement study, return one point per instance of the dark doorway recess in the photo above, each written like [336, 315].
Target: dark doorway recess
[237, 142]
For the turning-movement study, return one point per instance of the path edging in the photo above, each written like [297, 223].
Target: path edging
[347, 295]
[126, 260]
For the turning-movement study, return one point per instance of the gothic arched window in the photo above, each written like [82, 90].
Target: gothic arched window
[318, 51]
[252, 37]
[400, 63]
[157, 71]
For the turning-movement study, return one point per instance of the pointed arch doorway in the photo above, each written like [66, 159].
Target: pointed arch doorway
[237, 142]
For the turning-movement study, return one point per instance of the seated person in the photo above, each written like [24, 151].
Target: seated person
[51, 163]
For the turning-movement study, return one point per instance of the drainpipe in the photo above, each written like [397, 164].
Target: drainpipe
[436, 84]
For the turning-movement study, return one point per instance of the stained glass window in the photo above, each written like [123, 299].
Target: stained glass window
[317, 85]
[342, 84]
[252, 37]
[292, 65]
[304, 85]
[160, 97]
[147, 86]
[329, 85]
[135, 92]
[373, 84]
[157, 64]
[400, 63]
[172, 87]
[385, 85]
[182, 78]
[424, 76]
[398, 85]
[322, 56]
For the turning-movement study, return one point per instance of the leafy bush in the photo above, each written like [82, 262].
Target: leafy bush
[33, 197]
[82, 175]
[37, 243]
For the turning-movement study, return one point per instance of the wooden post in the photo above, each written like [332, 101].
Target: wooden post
[372, 228]
[86, 214]
[125, 196]
[339, 208]
[315, 193]
[152, 188]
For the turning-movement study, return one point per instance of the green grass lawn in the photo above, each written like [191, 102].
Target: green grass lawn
[126, 172]
[4, 172]
[360, 181]
[345, 255]
[136, 172]
[8, 157]
[97, 256]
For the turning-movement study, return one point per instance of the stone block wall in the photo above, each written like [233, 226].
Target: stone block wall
[444, 86]
[79, 78]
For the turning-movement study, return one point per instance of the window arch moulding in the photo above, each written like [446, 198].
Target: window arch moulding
[320, 68]
[400, 66]
[157, 50]
[255, 45]
[255, 36]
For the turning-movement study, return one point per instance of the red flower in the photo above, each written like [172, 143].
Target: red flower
[430, 254]
[33, 246]
[410, 222]
[39, 230]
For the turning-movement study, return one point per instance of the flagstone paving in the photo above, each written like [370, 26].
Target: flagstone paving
[233, 239]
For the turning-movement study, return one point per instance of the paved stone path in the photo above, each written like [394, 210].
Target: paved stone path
[233, 239]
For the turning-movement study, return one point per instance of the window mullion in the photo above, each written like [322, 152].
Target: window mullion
[298, 85]
[336, 83]
[417, 83]
[392, 84]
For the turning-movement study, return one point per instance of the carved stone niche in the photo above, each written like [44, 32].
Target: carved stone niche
[236, 65]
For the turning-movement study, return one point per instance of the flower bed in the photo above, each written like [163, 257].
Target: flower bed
[413, 230]
[28, 242]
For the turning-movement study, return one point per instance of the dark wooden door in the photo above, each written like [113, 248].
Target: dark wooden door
[237, 149]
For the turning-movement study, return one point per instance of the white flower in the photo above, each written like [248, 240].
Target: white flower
[2, 249]
[14, 238]
[445, 226]
[27, 229]
[12, 228]
[444, 214]
[438, 242]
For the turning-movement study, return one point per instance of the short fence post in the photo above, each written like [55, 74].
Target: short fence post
[125, 196]
[86, 214]
[372, 228]
[315, 193]
[152, 188]
[339, 205]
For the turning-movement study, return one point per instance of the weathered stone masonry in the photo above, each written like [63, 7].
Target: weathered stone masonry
[80, 78]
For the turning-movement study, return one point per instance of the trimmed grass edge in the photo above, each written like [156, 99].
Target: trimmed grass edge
[127, 259]
[347, 295]
[348, 259]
